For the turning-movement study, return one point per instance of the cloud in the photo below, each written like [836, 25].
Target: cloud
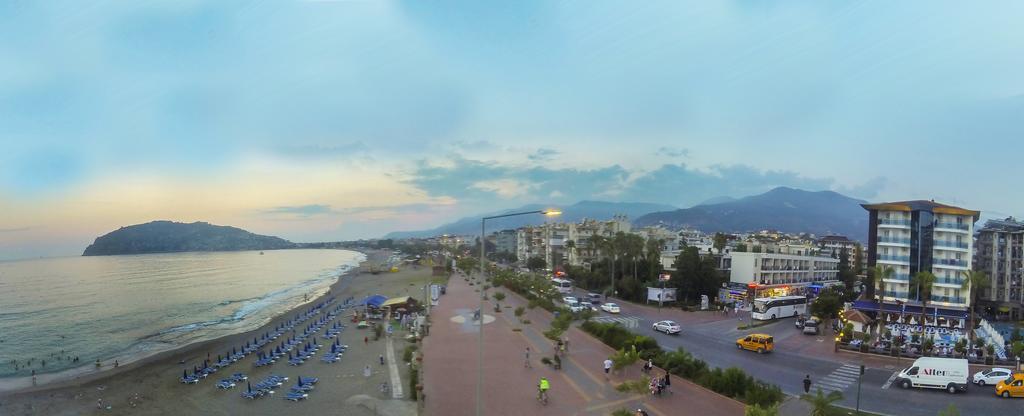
[672, 151]
[15, 229]
[505, 188]
[302, 211]
[543, 154]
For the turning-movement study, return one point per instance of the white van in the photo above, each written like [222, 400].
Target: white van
[949, 374]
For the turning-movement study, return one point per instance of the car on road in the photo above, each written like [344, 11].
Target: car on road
[761, 343]
[811, 326]
[1011, 386]
[668, 327]
[594, 298]
[569, 299]
[991, 376]
[610, 308]
[576, 307]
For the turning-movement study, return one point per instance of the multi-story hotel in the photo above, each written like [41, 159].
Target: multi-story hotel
[999, 252]
[774, 274]
[915, 236]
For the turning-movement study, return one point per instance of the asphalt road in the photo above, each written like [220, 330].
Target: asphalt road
[715, 343]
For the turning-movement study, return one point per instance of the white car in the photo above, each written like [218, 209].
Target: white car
[610, 308]
[668, 327]
[569, 299]
[991, 376]
[576, 307]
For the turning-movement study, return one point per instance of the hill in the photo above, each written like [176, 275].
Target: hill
[171, 237]
[783, 209]
[576, 212]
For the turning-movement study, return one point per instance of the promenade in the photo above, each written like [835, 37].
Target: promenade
[509, 388]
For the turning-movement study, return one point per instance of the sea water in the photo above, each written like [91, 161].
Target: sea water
[119, 307]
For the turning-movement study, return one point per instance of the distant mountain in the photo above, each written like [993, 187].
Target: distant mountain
[717, 200]
[783, 209]
[170, 237]
[584, 209]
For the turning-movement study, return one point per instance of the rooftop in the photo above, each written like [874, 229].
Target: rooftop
[922, 205]
[1009, 224]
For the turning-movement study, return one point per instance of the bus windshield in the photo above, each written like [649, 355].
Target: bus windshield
[760, 306]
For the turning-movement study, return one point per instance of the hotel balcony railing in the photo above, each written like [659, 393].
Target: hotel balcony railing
[900, 276]
[895, 294]
[885, 257]
[950, 280]
[952, 225]
[893, 240]
[886, 221]
[951, 262]
[949, 299]
[950, 244]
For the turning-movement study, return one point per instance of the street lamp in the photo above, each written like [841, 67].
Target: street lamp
[480, 330]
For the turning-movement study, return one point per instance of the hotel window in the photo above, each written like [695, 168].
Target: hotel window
[945, 291]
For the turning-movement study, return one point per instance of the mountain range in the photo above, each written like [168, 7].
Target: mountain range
[172, 237]
[572, 213]
[783, 209]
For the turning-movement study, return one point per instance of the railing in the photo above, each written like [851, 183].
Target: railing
[948, 299]
[952, 225]
[950, 281]
[951, 262]
[893, 240]
[895, 294]
[950, 244]
[885, 221]
[899, 276]
[885, 257]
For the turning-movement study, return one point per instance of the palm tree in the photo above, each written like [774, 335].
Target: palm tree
[924, 282]
[973, 280]
[634, 249]
[653, 252]
[881, 273]
[820, 403]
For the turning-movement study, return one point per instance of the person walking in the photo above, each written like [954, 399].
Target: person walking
[526, 361]
[367, 371]
[566, 343]
[607, 367]
[667, 381]
[382, 359]
[807, 384]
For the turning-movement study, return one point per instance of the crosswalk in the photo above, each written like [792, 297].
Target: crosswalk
[627, 321]
[839, 379]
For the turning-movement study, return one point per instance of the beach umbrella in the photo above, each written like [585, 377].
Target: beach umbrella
[233, 350]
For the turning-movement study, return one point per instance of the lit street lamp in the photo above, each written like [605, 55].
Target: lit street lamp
[480, 330]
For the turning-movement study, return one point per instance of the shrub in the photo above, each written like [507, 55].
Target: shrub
[520, 311]
[378, 330]
[526, 321]
[755, 410]
[407, 354]
[640, 385]
[414, 377]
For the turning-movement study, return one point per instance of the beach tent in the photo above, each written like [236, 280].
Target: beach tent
[374, 301]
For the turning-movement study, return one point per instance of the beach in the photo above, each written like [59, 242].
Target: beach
[150, 386]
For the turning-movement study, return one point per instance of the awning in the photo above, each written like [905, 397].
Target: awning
[872, 306]
[1004, 309]
[374, 300]
[402, 300]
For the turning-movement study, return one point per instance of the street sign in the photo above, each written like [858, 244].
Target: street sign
[664, 277]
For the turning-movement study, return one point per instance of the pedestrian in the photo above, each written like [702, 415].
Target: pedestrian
[367, 371]
[667, 381]
[558, 347]
[807, 384]
[366, 340]
[607, 367]
[526, 363]
[382, 359]
[566, 343]
[735, 309]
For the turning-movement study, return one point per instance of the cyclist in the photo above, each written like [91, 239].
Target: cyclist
[542, 390]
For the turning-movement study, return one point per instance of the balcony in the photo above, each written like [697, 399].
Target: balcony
[903, 277]
[952, 226]
[892, 258]
[949, 262]
[893, 222]
[895, 294]
[949, 281]
[894, 240]
[950, 244]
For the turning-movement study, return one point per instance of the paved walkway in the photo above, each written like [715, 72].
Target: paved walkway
[579, 388]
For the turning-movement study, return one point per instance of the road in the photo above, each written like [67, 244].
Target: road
[796, 355]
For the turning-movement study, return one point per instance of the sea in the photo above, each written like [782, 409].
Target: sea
[128, 307]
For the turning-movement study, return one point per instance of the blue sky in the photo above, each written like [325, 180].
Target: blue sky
[319, 120]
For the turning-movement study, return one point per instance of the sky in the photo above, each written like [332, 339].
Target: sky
[323, 120]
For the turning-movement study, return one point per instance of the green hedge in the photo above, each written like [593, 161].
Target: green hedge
[731, 382]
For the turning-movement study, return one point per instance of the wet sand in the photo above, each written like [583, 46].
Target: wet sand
[151, 387]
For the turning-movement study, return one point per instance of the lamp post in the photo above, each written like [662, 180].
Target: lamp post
[480, 329]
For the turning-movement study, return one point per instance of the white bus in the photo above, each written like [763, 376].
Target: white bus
[562, 285]
[778, 307]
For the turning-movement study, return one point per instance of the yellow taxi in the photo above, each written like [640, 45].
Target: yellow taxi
[761, 343]
[1013, 386]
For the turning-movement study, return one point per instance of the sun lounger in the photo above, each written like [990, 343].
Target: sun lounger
[296, 396]
[225, 384]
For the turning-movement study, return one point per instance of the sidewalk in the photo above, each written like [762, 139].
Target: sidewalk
[579, 388]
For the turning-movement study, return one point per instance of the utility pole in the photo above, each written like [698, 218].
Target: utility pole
[859, 378]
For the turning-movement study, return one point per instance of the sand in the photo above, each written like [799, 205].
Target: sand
[151, 387]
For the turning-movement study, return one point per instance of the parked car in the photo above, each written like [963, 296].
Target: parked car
[594, 298]
[668, 327]
[991, 376]
[761, 343]
[949, 374]
[811, 326]
[1011, 386]
[610, 308]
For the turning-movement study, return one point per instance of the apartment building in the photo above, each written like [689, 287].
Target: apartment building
[505, 241]
[999, 249]
[914, 236]
[775, 274]
[835, 245]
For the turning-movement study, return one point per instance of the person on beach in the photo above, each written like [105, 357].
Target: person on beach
[116, 364]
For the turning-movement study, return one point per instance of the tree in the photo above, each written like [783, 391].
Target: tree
[719, 242]
[858, 258]
[633, 247]
[846, 274]
[740, 248]
[653, 253]
[536, 263]
[923, 281]
[624, 358]
[468, 265]
[974, 281]
[498, 297]
[820, 403]
[695, 275]
[881, 273]
[828, 304]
